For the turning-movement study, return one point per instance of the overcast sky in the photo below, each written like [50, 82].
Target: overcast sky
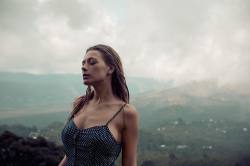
[178, 40]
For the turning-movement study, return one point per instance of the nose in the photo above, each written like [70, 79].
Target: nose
[84, 69]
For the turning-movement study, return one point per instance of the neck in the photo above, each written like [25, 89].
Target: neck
[103, 92]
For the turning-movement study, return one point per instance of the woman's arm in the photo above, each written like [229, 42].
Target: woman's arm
[130, 136]
[63, 162]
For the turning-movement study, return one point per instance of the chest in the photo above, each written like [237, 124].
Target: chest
[87, 118]
[90, 140]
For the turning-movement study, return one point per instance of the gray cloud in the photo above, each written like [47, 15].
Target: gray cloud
[78, 14]
[169, 40]
[17, 17]
[191, 39]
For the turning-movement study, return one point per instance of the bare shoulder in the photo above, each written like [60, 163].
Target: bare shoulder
[131, 114]
[130, 110]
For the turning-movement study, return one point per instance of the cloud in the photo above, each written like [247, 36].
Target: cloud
[187, 40]
[168, 40]
[50, 40]
[78, 14]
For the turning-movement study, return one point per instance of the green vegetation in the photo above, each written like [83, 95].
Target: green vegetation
[194, 124]
[177, 142]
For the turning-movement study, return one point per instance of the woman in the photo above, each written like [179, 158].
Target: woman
[102, 122]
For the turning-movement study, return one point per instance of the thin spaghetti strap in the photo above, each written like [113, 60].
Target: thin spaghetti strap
[116, 113]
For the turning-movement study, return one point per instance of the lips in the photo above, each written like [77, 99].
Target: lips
[85, 76]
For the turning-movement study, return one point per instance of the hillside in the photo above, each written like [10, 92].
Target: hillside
[25, 97]
[193, 101]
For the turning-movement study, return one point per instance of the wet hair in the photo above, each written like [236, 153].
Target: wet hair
[118, 81]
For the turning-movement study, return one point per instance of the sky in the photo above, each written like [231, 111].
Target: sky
[176, 40]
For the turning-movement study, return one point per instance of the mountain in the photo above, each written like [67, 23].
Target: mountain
[26, 96]
[196, 123]
[192, 101]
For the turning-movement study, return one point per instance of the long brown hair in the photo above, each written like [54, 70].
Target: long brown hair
[118, 81]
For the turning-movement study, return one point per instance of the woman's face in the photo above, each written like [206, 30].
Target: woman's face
[94, 69]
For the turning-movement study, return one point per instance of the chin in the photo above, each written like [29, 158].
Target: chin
[91, 82]
[87, 82]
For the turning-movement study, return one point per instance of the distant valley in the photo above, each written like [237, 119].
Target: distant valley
[42, 99]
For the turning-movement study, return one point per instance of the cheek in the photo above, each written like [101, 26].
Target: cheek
[99, 71]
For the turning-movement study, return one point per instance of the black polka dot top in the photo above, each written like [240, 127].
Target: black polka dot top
[94, 146]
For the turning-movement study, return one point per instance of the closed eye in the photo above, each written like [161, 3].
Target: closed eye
[90, 61]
